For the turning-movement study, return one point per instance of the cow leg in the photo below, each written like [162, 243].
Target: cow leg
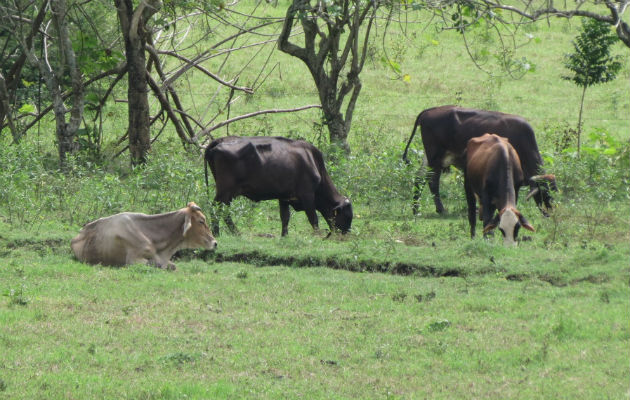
[285, 214]
[487, 210]
[214, 217]
[472, 208]
[162, 263]
[229, 223]
[143, 253]
[418, 184]
[311, 213]
[434, 184]
[221, 209]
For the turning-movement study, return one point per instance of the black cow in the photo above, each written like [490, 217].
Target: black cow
[445, 132]
[266, 168]
[493, 175]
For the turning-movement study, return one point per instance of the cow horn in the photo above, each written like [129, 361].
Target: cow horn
[540, 178]
[194, 206]
[532, 192]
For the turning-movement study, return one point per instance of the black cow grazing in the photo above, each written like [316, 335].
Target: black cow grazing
[266, 168]
[445, 132]
[493, 174]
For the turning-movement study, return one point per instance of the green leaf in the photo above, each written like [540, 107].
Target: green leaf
[26, 109]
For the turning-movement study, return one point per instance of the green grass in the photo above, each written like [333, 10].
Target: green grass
[403, 307]
[233, 330]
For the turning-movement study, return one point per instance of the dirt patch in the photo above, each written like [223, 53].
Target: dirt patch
[554, 280]
[517, 277]
[262, 259]
[596, 279]
[41, 247]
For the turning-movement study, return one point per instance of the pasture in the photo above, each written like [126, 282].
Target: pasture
[403, 307]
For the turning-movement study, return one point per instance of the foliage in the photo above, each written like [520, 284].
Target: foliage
[591, 62]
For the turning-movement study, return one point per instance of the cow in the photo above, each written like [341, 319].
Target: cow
[267, 168]
[493, 175]
[129, 238]
[445, 132]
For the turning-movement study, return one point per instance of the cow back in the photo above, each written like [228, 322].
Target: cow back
[449, 128]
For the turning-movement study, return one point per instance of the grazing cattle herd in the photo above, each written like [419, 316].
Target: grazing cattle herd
[497, 152]
[446, 131]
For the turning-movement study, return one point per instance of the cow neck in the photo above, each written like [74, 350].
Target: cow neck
[328, 196]
[165, 230]
[507, 196]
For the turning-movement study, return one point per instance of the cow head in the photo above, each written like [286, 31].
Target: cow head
[540, 186]
[196, 231]
[342, 215]
[509, 221]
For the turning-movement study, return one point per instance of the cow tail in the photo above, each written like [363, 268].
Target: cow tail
[205, 169]
[206, 155]
[413, 133]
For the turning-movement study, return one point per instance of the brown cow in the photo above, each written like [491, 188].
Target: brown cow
[445, 132]
[493, 174]
[266, 168]
[129, 238]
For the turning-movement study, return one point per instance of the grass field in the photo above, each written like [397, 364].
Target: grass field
[404, 307]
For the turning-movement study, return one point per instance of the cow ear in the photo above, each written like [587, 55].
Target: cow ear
[489, 227]
[187, 224]
[492, 224]
[525, 224]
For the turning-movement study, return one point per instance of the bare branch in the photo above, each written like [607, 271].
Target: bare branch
[283, 39]
[166, 106]
[206, 131]
[195, 64]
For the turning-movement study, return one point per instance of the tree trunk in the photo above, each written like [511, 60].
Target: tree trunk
[336, 128]
[53, 73]
[137, 94]
[67, 132]
[132, 23]
[579, 127]
[326, 56]
[5, 110]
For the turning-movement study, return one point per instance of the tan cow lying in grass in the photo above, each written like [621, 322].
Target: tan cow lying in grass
[129, 238]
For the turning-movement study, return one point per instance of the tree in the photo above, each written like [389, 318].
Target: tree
[333, 44]
[591, 63]
[610, 12]
[133, 24]
[55, 64]
[139, 49]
